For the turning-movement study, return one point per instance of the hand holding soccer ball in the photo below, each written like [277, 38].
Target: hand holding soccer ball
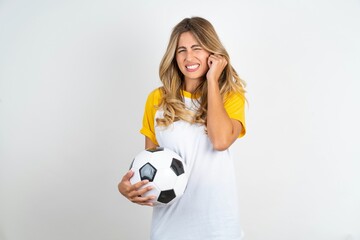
[133, 192]
[158, 176]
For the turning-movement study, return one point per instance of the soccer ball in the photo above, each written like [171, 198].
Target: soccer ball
[165, 171]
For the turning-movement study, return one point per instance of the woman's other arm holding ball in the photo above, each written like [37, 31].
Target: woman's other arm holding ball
[133, 192]
[149, 143]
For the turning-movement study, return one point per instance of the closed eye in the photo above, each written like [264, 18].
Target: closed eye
[196, 47]
[181, 49]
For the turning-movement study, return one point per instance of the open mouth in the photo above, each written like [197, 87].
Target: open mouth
[192, 67]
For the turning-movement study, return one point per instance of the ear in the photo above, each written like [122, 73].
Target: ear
[209, 62]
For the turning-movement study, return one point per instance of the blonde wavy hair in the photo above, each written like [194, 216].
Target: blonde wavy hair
[172, 102]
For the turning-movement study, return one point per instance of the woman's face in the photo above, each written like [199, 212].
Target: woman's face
[192, 59]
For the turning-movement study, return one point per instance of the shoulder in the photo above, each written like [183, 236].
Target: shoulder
[235, 107]
[154, 97]
[234, 97]
[156, 94]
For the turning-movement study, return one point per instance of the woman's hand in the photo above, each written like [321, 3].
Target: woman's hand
[217, 64]
[133, 192]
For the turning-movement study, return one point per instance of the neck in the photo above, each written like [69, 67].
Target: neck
[191, 84]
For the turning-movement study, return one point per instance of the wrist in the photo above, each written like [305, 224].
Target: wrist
[212, 81]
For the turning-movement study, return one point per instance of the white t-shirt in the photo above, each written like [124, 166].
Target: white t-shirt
[208, 209]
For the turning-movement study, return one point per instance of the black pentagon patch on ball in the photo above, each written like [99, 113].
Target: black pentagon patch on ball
[155, 149]
[177, 166]
[148, 172]
[166, 196]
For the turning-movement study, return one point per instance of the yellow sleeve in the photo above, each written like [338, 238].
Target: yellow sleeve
[148, 123]
[235, 107]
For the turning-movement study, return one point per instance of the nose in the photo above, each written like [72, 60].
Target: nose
[189, 56]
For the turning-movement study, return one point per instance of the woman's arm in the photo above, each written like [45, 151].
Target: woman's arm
[222, 130]
[149, 143]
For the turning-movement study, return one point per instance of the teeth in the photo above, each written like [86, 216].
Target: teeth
[192, 66]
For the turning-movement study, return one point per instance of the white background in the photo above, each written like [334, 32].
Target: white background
[74, 77]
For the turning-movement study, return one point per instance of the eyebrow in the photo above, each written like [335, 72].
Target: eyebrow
[193, 46]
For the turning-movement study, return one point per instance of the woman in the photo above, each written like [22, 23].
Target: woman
[198, 113]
